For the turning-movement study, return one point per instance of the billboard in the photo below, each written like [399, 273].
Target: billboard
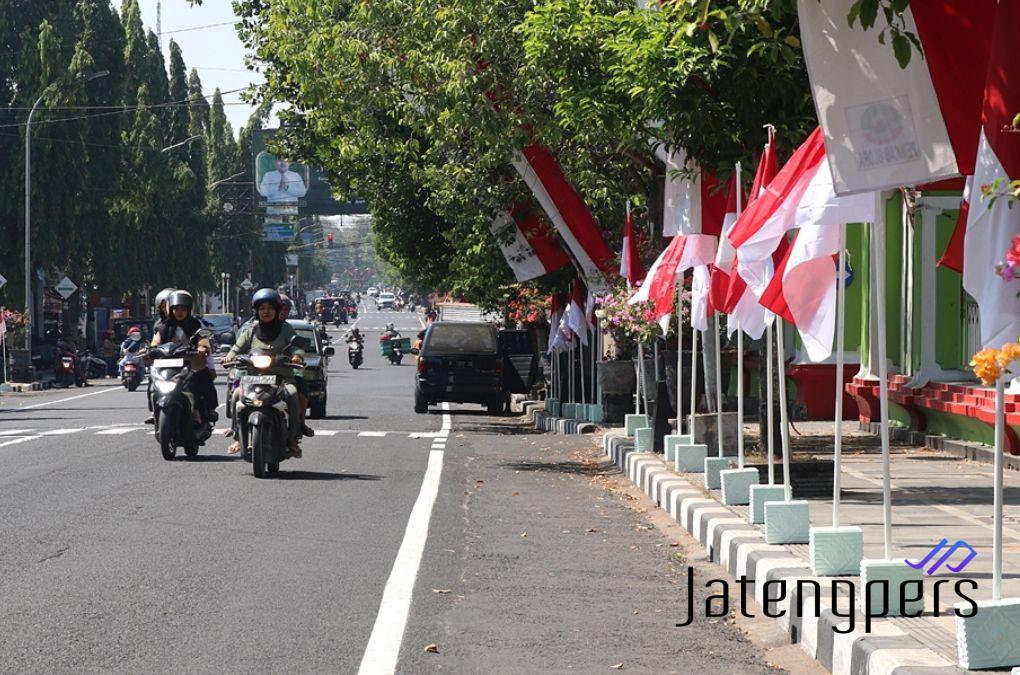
[278, 232]
[285, 188]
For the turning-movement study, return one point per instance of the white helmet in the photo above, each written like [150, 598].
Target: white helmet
[389, 326]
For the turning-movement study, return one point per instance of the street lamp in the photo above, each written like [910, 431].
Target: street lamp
[28, 201]
[184, 142]
[224, 180]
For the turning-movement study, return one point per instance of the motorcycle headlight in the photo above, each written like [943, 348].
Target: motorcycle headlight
[165, 386]
[262, 361]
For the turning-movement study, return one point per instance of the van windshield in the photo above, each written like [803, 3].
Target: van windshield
[461, 339]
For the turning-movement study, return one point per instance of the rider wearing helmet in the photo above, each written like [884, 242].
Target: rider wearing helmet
[355, 336]
[390, 334]
[180, 326]
[160, 308]
[273, 335]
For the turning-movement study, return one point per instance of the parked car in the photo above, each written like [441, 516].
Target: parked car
[459, 363]
[222, 326]
[386, 301]
[316, 372]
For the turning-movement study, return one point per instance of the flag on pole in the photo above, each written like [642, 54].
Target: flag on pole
[683, 252]
[574, 315]
[533, 250]
[721, 268]
[567, 211]
[991, 226]
[802, 193]
[631, 268]
[693, 201]
[885, 125]
[555, 314]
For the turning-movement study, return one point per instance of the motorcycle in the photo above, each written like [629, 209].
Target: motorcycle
[396, 354]
[93, 366]
[261, 413]
[355, 353]
[352, 311]
[171, 368]
[65, 370]
[131, 370]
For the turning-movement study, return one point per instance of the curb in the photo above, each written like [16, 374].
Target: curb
[739, 547]
[566, 426]
[22, 387]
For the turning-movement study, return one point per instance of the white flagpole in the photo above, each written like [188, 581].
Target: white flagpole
[784, 430]
[1000, 447]
[837, 452]
[740, 350]
[770, 394]
[570, 370]
[694, 375]
[679, 356]
[878, 264]
[640, 375]
[581, 365]
[718, 388]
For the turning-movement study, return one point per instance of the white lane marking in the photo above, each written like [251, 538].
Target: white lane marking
[371, 434]
[61, 432]
[16, 432]
[119, 431]
[19, 440]
[72, 398]
[326, 432]
[421, 321]
[447, 420]
[425, 434]
[388, 631]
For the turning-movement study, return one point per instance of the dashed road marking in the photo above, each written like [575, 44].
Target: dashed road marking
[119, 431]
[61, 432]
[371, 434]
[16, 432]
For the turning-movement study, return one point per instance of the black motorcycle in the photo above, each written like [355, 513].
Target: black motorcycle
[261, 415]
[356, 353]
[171, 369]
[67, 369]
[396, 354]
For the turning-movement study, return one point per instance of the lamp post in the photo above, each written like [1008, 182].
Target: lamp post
[28, 203]
[184, 142]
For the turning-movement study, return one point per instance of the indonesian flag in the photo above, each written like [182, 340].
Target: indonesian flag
[722, 267]
[992, 226]
[742, 298]
[801, 194]
[3, 327]
[676, 195]
[683, 252]
[694, 201]
[574, 315]
[567, 211]
[532, 251]
[556, 342]
[631, 268]
[887, 126]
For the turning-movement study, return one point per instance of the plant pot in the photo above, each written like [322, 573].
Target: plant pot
[617, 378]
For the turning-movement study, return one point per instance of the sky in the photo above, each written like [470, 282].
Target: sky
[216, 51]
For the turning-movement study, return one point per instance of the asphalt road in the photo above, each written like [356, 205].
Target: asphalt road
[116, 560]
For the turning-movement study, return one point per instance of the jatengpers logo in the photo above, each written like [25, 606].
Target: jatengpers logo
[876, 604]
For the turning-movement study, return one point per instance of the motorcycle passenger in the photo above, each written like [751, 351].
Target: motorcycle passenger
[286, 305]
[273, 335]
[132, 344]
[179, 327]
[161, 309]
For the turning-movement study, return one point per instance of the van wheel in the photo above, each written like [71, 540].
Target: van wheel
[495, 406]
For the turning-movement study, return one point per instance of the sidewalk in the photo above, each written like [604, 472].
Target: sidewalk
[935, 496]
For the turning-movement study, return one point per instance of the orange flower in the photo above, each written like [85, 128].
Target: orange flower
[986, 365]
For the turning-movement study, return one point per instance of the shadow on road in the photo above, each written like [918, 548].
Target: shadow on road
[579, 468]
[208, 458]
[325, 475]
[342, 417]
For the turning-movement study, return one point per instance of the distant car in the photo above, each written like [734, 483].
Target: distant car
[386, 301]
[373, 291]
[316, 372]
[222, 326]
[460, 363]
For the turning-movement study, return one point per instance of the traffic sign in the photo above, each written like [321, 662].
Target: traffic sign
[247, 284]
[2, 281]
[66, 288]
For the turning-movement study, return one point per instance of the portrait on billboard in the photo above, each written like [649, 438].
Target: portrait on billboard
[281, 183]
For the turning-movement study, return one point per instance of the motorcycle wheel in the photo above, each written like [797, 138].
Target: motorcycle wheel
[258, 453]
[166, 441]
[132, 385]
[354, 365]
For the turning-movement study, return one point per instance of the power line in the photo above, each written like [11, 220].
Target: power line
[203, 27]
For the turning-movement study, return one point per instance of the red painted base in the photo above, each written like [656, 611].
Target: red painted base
[816, 386]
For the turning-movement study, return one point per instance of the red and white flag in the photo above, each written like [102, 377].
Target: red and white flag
[567, 211]
[801, 194]
[887, 126]
[574, 314]
[722, 267]
[992, 226]
[555, 315]
[742, 298]
[683, 252]
[532, 251]
[694, 201]
[631, 268]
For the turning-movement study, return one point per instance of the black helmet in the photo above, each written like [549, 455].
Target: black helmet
[180, 298]
[162, 297]
[286, 302]
[266, 295]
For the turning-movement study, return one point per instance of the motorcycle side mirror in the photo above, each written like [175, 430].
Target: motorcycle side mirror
[224, 349]
[329, 351]
[415, 351]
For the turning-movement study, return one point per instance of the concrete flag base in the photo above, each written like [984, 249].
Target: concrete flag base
[736, 485]
[787, 522]
[690, 458]
[836, 551]
[633, 422]
[989, 638]
[895, 572]
[552, 406]
[761, 494]
[643, 439]
[674, 440]
[713, 467]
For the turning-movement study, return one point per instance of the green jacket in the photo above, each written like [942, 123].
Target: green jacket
[247, 341]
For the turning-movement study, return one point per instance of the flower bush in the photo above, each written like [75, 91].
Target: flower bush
[990, 364]
[527, 307]
[1009, 269]
[631, 324]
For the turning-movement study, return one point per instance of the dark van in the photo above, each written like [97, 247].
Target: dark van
[459, 362]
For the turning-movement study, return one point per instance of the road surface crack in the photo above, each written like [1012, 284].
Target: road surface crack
[59, 552]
